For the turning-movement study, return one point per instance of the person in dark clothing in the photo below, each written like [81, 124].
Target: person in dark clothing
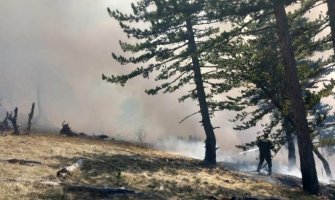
[265, 146]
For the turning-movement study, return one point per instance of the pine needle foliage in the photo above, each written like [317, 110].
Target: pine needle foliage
[172, 41]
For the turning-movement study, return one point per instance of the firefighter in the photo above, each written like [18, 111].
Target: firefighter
[265, 146]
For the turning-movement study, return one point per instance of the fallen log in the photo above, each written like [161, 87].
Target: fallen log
[99, 191]
[67, 171]
[102, 137]
[24, 162]
[21, 162]
[32, 181]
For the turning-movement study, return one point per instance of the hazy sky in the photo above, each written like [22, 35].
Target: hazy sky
[60, 48]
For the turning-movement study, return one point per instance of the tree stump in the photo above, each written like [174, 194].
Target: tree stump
[68, 171]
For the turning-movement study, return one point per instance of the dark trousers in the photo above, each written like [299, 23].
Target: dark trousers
[261, 160]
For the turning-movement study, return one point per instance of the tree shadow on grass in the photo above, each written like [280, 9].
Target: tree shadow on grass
[140, 163]
[83, 195]
[129, 163]
[113, 170]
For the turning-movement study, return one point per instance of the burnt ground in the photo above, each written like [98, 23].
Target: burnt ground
[326, 190]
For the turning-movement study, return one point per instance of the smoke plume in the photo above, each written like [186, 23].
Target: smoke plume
[54, 54]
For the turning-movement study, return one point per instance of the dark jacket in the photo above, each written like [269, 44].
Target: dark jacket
[265, 145]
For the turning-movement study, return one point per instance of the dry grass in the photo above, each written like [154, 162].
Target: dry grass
[155, 174]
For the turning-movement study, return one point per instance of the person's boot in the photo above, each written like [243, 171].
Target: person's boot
[270, 172]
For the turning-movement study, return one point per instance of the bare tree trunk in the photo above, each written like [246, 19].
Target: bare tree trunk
[292, 160]
[308, 170]
[210, 142]
[5, 121]
[13, 119]
[331, 14]
[289, 129]
[31, 115]
[324, 162]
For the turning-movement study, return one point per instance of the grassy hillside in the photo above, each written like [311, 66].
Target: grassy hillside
[151, 173]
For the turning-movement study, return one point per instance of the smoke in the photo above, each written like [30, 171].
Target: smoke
[54, 53]
[244, 161]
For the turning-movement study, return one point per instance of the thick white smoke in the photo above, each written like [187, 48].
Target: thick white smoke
[54, 54]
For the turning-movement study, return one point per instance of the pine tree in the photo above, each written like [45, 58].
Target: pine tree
[331, 15]
[307, 163]
[172, 47]
[292, 96]
[302, 31]
[329, 21]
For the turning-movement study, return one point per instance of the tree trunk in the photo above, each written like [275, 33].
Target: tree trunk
[210, 142]
[331, 14]
[5, 121]
[307, 162]
[292, 160]
[324, 162]
[31, 115]
[287, 126]
[4, 124]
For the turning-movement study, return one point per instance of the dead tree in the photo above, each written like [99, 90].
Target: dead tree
[30, 117]
[4, 124]
[13, 119]
[5, 121]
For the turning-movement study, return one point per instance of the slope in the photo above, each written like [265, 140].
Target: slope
[153, 174]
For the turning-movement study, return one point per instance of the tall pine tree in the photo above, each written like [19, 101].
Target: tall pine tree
[264, 71]
[307, 163]
[172, 47]
[257, 10]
